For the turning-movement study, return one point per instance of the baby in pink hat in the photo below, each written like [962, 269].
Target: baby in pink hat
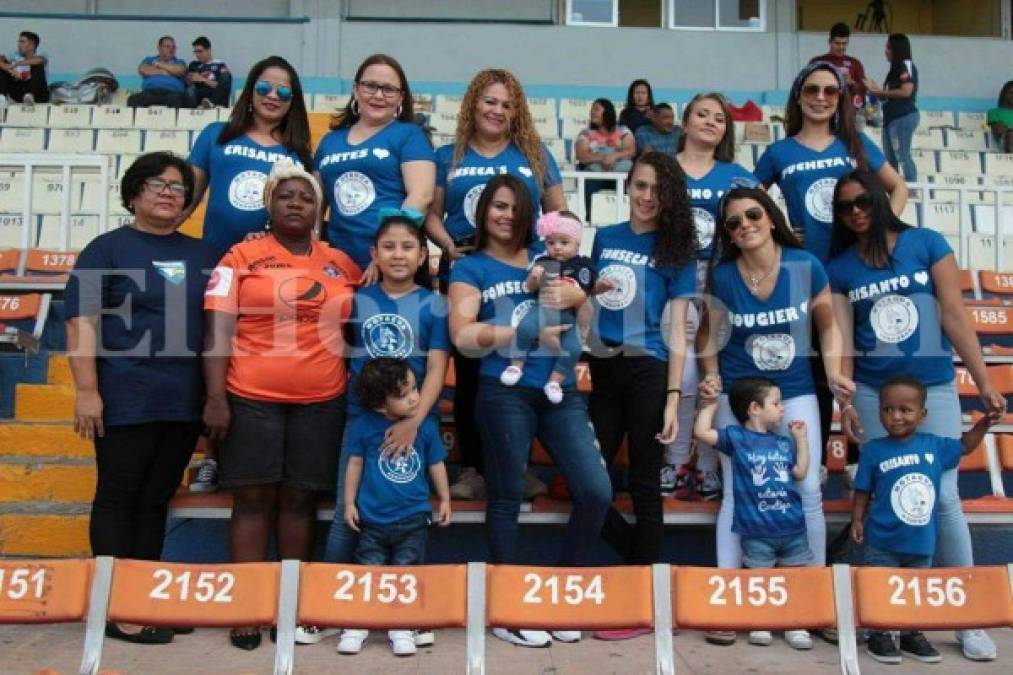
[561, 232]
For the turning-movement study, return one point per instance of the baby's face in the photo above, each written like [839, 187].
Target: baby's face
[561, 246]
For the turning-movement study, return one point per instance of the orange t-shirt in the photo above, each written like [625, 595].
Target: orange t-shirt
[291, 311]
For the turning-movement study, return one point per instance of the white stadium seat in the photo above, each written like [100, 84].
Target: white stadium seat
[20, 139]
[958, 161]
[70, 116]
[170, 141]
[123, 163]
[575, 204]
[112, 117]
[11, 195]
[925, 161]
[329, 103]
[973, 121]
[444, 122]
[935, 118]
[744, 156]
[574, 107]
[20, 115]
[540, 107]
[118, 141]
[195, 119]
[962, 139]
[10, 230]
[155, 117]
[572, 126]
[770, 111]
[547, 127]
[927, 139]
[998, 164]
[223, 114]
[82, 230]
[910, 214]
[69, 141]
[448, 104]
[557, 148]
[604, 208]
[47, 194]
[941, 216]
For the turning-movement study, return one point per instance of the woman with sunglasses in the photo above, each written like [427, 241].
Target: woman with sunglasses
[374, 157]
[767, 294]
[232, 159]
[897, 301]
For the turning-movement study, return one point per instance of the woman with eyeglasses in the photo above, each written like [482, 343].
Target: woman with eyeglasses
[374, 157]
[765, 296]
[134, 336]
[231, 159]
[898, 303]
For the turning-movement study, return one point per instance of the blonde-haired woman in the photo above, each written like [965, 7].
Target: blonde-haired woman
[495, 135]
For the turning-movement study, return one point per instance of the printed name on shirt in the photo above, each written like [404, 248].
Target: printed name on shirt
[771, 317]
[254, 153]
[910, 459]
[503, 288]
[705, 193]
[891, 285]
[268, 262]
[818, 164]
[337, 157]
[478, 171]
[628, 257]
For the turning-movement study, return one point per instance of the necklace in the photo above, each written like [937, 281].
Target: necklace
[754, 280]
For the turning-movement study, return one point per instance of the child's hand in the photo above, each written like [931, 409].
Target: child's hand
[443, 514]
[798, 428]
[857, 531]
[352, 517]
[536, 273]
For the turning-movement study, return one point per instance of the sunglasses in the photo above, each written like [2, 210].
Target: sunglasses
[754, 213]
[263, 88]
[813, 91]
[846, 206]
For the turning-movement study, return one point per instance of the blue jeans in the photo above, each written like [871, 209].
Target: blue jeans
[341, 539]
[509, 419]
[402, 542]
[897, 137]
[763, 552]
[877, 557]
[569, 342]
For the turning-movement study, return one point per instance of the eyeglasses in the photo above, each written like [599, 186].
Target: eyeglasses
[387, 90]
[813, 91]
[845, 206]
[754, 213]
[158, 186]
[263, 88]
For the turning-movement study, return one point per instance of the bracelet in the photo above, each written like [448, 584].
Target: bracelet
[675, 390]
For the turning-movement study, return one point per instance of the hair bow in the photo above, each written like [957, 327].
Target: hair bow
[406, 212]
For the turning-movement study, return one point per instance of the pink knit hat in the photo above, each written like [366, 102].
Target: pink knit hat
[555, 222]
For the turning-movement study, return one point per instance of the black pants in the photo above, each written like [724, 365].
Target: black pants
[16, 89]
[465, 395]
[629, 399]
[195, 93]
[139, 469]
[150, 97]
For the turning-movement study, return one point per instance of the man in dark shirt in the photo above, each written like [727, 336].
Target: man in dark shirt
[23, 73]
[850, 67]
[662, 134]
[208, 80]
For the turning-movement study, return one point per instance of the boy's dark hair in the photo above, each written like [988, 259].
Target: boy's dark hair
[34, 37]
[840, 30]
[662, 106]
[201, 42]
[906, 381]
[379, 379]
[746, 390]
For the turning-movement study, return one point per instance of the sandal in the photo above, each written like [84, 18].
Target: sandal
[149, 635]
[245, 638]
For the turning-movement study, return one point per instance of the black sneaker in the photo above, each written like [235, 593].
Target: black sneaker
[880, 646]
[917, 646]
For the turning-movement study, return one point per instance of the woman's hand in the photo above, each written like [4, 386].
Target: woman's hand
[557, 294]
[217, 417]
[370, 276]
[872, 87]
[709, 388]
[670, 426]
[995, 403]
[851, 425]
[455, 252]
[843, 388]
[399, 438]
[88, 415]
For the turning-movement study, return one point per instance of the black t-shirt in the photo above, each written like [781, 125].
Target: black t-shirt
[901, 73]
[214, 70]
[633, 119]
[579, 269]
[148, 291]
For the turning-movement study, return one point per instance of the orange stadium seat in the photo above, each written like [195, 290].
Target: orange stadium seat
[44, 591]
[1005, 442]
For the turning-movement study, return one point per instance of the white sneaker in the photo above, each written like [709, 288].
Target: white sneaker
[760, 637]
[798, 639]
[553, 392]
[424, 637]
[469, 485]
[523, 638]
[310, 635]
[402, 642]
[976, 645]
[511, 375]
[352, 640]
[28, 99]
[566, 635]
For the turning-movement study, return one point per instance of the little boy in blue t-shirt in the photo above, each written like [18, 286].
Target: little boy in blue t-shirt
[901, 474]
[768, 513]
[387, 494]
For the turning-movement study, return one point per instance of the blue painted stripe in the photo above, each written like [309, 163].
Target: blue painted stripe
[159, 18]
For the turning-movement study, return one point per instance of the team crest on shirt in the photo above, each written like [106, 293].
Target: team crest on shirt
[400, 469]
[521, 311]
[894, 318]
[302, 293]
[704, 222]
[624, 287]
[471, 202]
[388, 335]
[773, 351]
[220, 283]
[174, 271]
[819, 199]
[353, 193]
[913, 498]
[246, 191]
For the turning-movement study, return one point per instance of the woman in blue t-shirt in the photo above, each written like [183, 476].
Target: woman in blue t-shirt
[769, 295]
[495, 135]
[898, 304]
[900, 114]
[488, 298]
[232, 159]
[374, 157]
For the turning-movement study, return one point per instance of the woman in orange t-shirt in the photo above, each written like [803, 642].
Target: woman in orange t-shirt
[274, 364]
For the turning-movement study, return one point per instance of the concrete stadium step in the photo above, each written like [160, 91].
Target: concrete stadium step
[46, 533]
[59, 370]
[52, 402]
[42, 439]
[32, 481]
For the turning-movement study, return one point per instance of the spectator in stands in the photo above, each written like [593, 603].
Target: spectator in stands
[850, 68]
[495, 134]
[707, 158]
[1000, 119]
[771, 297]
[661, 135]
[639, 106]
[926, 323]
[208, 80]
[605, 145]
[23, 72]
[636, 366]
[137, 371]
[162, 78]
[486, 294]
[900, 114]
[374, 157]
[276, 380]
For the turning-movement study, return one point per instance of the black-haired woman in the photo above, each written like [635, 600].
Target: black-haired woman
[900, 114]
[137, 377]
[604, 145]
[639, 104]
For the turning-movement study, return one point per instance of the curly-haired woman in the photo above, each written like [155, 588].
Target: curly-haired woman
[495, 135]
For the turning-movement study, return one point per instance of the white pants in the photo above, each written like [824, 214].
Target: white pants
[803, 408]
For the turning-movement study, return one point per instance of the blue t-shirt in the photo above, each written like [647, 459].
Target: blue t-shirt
[896, 315]
[630, 313]
[163, 80]
[807, 178]
[392, 489]
[705, 195]
[903, 479]
[151, 323]
[463, 184]
[771, 338]
[766, 501]
[504, 303]
[400, 328]
[361, 179]
[236, 173]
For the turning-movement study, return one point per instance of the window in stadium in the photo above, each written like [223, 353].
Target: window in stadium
[971, 18]
[745, 15]
[592, 13]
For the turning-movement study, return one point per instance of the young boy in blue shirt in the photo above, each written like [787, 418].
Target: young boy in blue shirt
[768, 513]
[901, 474]
[387, 495]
